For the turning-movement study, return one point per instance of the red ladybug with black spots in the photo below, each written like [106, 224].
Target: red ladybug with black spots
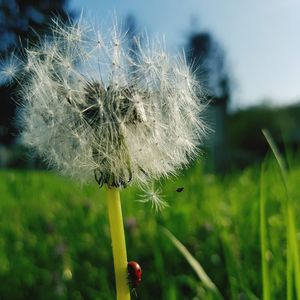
[134, 274]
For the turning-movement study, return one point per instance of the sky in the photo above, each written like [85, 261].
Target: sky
[261, 38]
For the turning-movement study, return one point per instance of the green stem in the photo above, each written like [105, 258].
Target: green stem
[118, 243]
[263, 238]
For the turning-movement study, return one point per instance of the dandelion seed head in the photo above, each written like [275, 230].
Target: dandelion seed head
[95, 108]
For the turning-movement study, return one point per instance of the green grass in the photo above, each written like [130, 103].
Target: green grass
[55, 244]
[266, 293]
[293, 264]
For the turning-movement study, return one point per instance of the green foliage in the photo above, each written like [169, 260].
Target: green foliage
[245, 140]
[55, 244]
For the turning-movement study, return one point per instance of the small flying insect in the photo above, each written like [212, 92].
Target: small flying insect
[180, 189]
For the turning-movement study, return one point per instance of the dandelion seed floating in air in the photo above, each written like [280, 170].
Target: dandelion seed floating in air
[153, 195]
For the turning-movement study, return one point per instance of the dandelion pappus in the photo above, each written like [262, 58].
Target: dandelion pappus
[105, 109]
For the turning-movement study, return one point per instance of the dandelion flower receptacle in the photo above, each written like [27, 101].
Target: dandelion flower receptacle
[95, 108]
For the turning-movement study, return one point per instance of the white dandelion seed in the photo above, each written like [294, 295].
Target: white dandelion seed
[94, 107]
[9, 67]
[154, 196]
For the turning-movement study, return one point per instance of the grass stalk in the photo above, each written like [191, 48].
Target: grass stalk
[207, 282]
[118, 243]
[263, 239]
[293, 260]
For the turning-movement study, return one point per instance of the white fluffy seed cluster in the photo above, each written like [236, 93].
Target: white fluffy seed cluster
[94, 107]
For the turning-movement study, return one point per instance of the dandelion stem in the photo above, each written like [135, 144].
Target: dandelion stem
[118, 243]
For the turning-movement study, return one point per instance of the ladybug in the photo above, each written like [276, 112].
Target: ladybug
[134, 274]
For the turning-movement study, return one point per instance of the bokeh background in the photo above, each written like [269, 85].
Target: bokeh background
[54, 241]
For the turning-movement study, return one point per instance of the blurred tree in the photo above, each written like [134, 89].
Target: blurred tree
[207, 59]
[20, 20]
[132, 35]
[130, 28]
[247, 143]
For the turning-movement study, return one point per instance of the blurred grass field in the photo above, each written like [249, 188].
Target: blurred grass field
[55, 243]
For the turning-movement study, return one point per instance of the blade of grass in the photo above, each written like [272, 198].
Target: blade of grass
[293, 263]
[207, 282]
[279, 160]
[236, 275]
[263, 238]
[295, 249]
[230, 264]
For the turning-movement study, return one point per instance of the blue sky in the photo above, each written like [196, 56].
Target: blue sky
[261, 38]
